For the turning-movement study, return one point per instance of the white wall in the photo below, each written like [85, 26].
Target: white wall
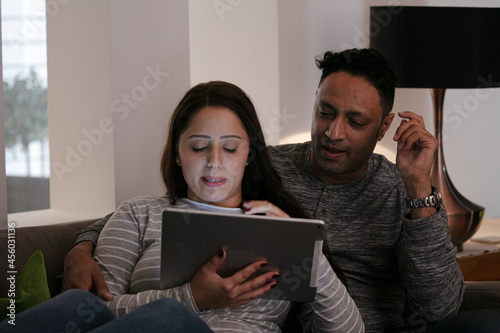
[3, 181]
[470, 149]
[116, 70]
[78, 99]
[237, 41]
[146, 37]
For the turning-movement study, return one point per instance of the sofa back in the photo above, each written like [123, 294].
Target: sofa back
[53, 240]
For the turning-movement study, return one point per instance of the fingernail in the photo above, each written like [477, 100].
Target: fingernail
[242, 206]
[275, 276]
[221, 253]
[264, 264]
[274, 285]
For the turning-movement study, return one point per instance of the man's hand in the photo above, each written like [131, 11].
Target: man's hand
[82, 272]
[414, 158]
[263, 207]
[211, 291]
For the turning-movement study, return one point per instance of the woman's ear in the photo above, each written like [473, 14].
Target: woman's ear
[251, 155]
[178, 160]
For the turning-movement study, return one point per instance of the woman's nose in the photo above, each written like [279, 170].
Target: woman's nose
[214, 159]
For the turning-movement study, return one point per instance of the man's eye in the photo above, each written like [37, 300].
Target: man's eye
[325, 114]
[356, 123]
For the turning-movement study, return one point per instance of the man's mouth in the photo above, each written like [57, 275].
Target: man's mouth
[333, 152]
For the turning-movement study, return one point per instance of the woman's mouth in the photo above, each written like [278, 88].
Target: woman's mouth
[213, 181]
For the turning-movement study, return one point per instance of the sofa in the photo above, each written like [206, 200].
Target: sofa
[54, 241]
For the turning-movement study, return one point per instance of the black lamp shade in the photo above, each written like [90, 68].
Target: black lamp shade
[439, 47]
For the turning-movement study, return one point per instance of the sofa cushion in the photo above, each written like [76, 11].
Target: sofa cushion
[481, 295]
[30, 287]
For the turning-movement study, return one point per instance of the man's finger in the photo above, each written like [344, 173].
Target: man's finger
[101, 287]
[412, 116]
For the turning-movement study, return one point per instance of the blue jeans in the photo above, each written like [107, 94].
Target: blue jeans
[80, 311]
[478, 321]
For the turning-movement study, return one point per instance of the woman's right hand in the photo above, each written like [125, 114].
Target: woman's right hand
[210, 290]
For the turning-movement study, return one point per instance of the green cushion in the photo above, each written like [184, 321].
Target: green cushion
[31, 288]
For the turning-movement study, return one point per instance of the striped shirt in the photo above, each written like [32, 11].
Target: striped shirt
[128, 252]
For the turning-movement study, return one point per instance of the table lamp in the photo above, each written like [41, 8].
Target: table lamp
[440, 48]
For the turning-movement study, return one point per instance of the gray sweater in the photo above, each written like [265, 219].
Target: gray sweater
[387, 258]
[128, 251]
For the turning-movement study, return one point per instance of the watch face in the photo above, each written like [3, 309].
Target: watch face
[437, 194]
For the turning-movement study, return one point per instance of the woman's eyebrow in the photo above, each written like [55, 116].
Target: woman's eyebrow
[229, 136]
[199, 136]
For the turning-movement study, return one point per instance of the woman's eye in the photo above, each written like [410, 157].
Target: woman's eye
[229, 150]
[198, 150]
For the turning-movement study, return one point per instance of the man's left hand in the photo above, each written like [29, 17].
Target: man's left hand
[415, 155]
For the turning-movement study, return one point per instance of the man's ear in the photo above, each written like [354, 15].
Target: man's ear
[384, 127]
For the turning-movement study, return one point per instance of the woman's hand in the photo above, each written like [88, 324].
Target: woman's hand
[210, 290]
[263, 207]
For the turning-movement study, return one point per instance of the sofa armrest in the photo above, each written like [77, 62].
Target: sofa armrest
[481, 295]
[53, 240]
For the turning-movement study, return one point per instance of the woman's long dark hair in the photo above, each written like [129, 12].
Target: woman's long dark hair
[260, 179]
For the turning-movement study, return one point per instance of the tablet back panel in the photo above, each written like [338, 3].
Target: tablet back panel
[190, 238]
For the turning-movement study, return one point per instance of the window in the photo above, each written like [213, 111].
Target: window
[24, 55]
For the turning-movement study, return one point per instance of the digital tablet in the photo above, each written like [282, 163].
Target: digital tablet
[190, 238]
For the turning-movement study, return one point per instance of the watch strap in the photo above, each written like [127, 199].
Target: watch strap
[433, 200]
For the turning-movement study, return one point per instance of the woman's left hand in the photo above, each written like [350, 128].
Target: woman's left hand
[263, 207]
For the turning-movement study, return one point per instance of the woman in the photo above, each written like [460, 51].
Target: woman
[215, 159]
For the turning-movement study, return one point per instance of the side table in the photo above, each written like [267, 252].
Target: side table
[479, 261]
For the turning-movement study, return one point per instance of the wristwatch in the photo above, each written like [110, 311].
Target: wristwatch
[433, 200]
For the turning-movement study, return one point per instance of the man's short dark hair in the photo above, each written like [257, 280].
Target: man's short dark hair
[366, 63]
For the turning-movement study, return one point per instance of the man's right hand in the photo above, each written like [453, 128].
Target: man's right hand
[82, 272]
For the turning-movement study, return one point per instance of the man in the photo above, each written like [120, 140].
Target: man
[392, 255]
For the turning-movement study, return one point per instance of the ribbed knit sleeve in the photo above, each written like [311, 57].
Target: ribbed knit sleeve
[91, 232]
[333, 310]
[122, 242]
[427, 260]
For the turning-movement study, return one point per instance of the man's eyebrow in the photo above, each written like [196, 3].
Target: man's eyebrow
[359, 114]
[352, 113]
[326, 105]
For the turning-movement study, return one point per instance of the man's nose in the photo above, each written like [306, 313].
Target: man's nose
[337, 129]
